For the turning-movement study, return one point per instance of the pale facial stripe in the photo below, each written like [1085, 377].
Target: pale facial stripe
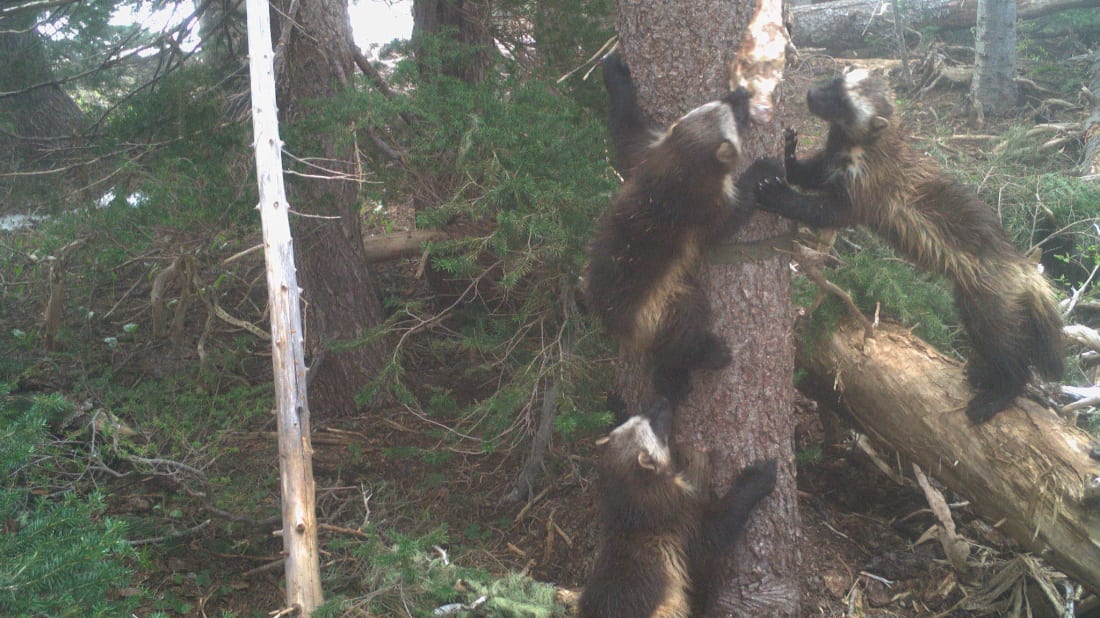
[863, 106]
[727, 124]
[645, 438]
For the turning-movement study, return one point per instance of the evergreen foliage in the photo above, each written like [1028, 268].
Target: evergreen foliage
[62, 557]
[517, 165]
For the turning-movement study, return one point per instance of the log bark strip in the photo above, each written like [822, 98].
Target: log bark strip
[848, 24]
[1025, 471]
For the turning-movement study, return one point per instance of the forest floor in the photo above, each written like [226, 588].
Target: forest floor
[860, 554]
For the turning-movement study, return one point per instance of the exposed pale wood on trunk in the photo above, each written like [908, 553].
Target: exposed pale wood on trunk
[1025, 471]
[848, 24]
[303, 573]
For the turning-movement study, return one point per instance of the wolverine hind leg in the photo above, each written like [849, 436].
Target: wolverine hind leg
[684, 343]
[998, 367]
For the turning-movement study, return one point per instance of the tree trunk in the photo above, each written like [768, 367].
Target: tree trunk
[339, 291]
[464, 24]
[1024, 471]
[993, 89]
[743, 413]
[848, 24]
[1090, 166]
[303, 570]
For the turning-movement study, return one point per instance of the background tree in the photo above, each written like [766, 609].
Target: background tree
[456, 34]
[743, 413]
[993, 89]
[316, 50]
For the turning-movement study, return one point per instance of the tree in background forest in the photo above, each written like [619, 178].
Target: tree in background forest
[742, 413]
[315, 61]
[993, 88]
[465, 23]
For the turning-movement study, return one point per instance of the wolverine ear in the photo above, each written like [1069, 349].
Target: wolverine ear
[879, 123]
[727, 152]
[646, 462]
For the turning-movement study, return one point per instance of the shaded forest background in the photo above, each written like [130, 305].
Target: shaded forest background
[444, 191]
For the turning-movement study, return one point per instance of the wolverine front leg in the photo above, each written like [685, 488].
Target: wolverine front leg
[832, 208]
[811, 173]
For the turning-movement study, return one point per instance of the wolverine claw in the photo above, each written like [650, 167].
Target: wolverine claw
[790, 142]
[716, 355]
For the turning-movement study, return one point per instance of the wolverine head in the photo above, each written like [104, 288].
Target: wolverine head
[858, 102]
[709, 135]
[639, 446]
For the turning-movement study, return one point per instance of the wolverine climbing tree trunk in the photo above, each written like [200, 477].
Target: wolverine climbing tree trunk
[314, 61]
[680, 55]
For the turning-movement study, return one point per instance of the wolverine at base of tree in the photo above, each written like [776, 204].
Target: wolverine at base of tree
[868, 175]
[662, 536]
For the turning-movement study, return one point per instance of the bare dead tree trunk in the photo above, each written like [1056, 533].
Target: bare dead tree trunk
[848, 24]
[1025, 471]
[743, 413]
[341, 304]
[303, 570]
[993, 89]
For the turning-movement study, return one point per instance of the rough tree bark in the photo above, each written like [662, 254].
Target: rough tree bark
[341, 305]
[743, 413]
[848, 24]
[1026, 471]
[993, 89]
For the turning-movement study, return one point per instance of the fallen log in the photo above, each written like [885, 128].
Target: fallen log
[848, 24]
[1026, 471]
[394, 245]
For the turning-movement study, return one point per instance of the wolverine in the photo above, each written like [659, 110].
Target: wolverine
[663, 534]
[867, 174]
[647, 255]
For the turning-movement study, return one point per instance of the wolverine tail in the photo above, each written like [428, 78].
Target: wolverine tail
[1013, 326]
[1045, 323]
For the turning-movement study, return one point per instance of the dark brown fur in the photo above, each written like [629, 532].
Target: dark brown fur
[662, 536]
[645, 258]
[867, 174]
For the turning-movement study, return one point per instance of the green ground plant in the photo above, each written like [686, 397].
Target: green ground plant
[63, 557]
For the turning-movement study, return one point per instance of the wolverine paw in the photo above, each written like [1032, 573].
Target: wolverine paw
[757, 478]
[760, 170]
[769, 189]
[715, 355]
[790, 142]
